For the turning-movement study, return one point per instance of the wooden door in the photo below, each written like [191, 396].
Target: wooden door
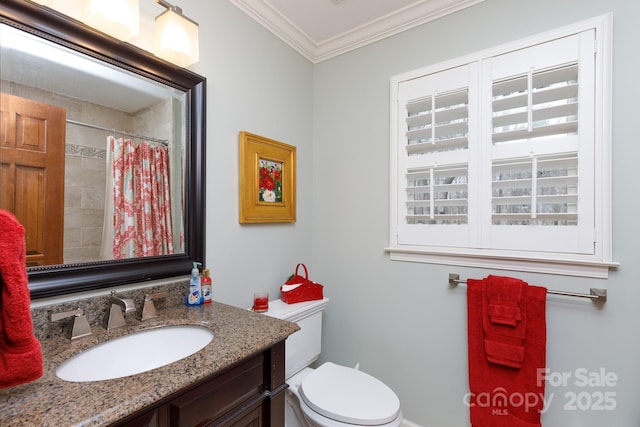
[32, 140]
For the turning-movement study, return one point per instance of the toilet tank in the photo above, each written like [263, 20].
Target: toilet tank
[304, 346]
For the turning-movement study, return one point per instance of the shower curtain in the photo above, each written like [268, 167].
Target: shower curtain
[139, 220]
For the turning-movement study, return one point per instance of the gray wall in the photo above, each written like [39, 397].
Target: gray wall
[400, 320]
[258, 84]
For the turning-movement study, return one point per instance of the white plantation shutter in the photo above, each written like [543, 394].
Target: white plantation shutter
[437, 196]
[542, 142]
[504, 156]
[438, 123]
[540, 191]
[537, 104]
[435, 129]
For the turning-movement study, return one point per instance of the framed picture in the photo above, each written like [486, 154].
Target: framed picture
[267, 180]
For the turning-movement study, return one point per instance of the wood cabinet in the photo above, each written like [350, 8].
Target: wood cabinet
[248, 394]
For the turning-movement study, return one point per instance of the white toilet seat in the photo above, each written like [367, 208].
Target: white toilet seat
[332, 395]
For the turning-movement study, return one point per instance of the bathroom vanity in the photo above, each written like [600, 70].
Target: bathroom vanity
[236, 380]
[249, 394]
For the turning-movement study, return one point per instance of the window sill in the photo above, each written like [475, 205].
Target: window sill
[503, 261]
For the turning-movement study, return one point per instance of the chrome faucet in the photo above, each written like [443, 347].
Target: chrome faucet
[117, 306]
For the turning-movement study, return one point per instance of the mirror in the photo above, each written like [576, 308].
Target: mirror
[102, 91]
[66, 108]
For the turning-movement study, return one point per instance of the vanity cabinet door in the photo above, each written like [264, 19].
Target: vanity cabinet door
[250, 394]
[250, 418]
[224, 395]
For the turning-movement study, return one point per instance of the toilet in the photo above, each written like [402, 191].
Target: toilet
[330, 395]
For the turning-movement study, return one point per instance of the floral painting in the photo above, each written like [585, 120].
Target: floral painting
[270, 173]
[267, 180]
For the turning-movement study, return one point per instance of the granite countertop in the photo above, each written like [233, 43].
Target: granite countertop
[50, 401]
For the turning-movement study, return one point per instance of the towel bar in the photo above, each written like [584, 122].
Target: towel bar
[595, 294]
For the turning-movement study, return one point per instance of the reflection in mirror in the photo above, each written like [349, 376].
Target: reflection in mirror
[101, 110]
[99, 158]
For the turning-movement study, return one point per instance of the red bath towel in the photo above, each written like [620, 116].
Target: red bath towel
[20, 352]
[502, 394]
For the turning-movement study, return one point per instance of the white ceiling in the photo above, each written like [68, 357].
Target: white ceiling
[322, 29]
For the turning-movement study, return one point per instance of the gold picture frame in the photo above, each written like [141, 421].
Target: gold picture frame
[267, 180]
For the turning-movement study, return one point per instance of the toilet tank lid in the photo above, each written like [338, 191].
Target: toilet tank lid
[294, 312]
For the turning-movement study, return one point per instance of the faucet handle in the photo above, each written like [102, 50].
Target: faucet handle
[148, 309]
[81, 326]
[65, 314]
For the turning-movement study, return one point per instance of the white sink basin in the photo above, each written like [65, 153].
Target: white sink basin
[135, 353]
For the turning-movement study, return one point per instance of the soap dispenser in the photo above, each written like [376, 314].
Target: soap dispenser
[205, 282]
[195, 289]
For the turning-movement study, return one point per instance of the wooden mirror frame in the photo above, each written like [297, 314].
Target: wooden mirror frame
[62, 279]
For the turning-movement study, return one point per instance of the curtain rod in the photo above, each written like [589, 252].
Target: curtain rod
[595, 294]
[115, 131]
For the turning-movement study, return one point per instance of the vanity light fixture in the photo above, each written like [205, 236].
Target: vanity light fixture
[118, 18]
[176, 36]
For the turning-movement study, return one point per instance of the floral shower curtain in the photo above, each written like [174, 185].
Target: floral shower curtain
[141, 203]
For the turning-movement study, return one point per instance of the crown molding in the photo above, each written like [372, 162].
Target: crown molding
[401, 20]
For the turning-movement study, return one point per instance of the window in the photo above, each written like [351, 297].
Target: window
[502, 159]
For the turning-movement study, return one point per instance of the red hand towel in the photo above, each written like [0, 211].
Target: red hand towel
[504, 340]
[501, 396]
[20, 352]
[504, 295]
